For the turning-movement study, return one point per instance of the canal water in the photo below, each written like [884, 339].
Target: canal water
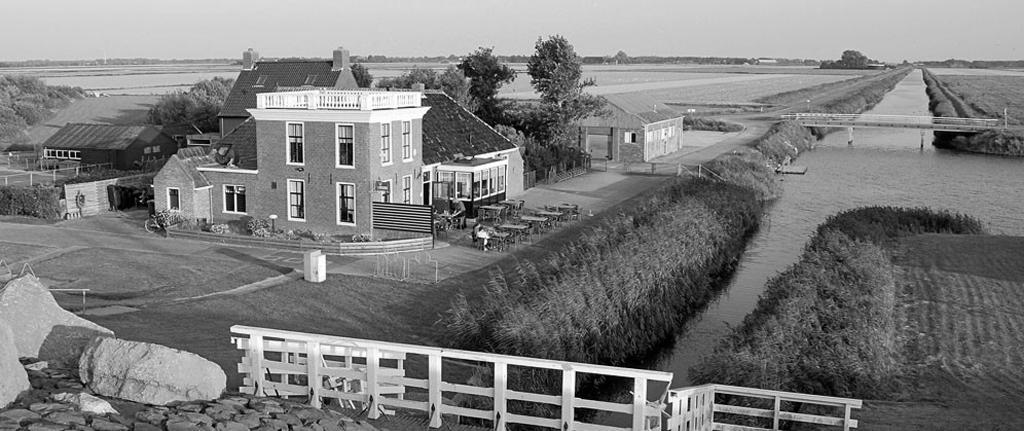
[882, 167]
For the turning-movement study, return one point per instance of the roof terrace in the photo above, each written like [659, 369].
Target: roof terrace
[346, 100]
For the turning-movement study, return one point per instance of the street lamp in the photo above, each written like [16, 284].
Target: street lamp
[273, 219]
[808, 106]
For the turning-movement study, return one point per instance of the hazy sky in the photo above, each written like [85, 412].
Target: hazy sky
[889, 30]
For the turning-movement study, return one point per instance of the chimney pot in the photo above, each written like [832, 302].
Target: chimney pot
[341, 61]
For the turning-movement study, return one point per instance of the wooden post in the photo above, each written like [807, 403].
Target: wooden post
[849, 131]
[568, 399]
[639, 403]
[434, 389]
[372, 385]
[846, 418]
[256, 362]
[313, 379]
[500, 386]
[775, 413]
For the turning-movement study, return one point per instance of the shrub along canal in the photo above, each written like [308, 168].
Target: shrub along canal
[882, 167]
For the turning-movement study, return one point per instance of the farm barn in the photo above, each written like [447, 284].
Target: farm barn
[123, 147]
[636, 129]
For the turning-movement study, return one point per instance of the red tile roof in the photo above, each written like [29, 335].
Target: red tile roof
[100, 136]
[277, 74]
[449, 129]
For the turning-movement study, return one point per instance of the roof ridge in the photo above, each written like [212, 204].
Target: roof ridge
[475, 117]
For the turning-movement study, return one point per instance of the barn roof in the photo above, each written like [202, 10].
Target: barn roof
[268, 76]
[642, 106]
[450, 129]
[100, 136]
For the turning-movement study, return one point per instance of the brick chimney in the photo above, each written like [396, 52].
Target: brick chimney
[341, 60]
[249, 59]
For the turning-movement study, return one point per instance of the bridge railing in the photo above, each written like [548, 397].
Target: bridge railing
[895, 119]
[379, 377]
[724, 407]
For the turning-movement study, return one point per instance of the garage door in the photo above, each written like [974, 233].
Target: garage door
[597, 146]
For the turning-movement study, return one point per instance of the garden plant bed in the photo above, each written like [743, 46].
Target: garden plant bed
[340, 248]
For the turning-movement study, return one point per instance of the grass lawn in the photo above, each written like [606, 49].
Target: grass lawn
[961, 301]
[140, 278]
[989, 95]
[13, 253]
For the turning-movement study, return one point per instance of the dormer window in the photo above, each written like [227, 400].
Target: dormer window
[310, 79]
[262, 79]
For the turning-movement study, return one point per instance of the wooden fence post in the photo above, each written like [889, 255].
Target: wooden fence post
[313, 379]
[373, 386]
[568, 399]
[639, 403]
[256, 362]
[434, 389]
[500, 386]
[775, 413]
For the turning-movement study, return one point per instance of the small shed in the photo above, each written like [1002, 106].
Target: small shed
[636, 128]
[122, 147]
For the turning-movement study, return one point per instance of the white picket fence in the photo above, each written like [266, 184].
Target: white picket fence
[377, 377]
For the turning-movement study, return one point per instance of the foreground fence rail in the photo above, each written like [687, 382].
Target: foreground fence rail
[382, 378]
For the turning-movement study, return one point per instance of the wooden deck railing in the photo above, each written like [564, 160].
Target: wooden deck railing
[723, 407]
[377, 377]
[374, 375]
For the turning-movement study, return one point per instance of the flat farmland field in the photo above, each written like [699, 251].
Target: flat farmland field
[960, 301]
[742, 91]
[990, 94]
[940, 71]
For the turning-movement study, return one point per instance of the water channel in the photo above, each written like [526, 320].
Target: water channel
[882, 167]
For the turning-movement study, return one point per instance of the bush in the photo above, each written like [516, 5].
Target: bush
[624, 287]
[220, 228]
[32, 201]
[257, 226]
[827, 324]
[711, 124]
[26, 101]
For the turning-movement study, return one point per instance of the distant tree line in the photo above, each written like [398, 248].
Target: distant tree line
[977, 64]
[26, 101]
[851, 59]
[113, 62]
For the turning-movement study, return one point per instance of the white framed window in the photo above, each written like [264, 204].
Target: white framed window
[629, 137]
[234, 199]
[501, 178]
[385, 143]
[49, 153]
[346, 203]
[173, 199]
[345, 149]
[297, 200]
[156, 148]
[295, 152]
[462, 184]
[407, 189]
[147, 150]
[406, 140]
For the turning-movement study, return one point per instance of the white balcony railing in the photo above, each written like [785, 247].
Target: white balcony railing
[324, 99]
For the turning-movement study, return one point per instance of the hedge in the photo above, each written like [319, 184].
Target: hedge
[32, 201]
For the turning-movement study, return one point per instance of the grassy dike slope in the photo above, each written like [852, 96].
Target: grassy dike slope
[828, 324]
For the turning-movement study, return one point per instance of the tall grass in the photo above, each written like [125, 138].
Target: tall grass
[944, 103]
[827, 324]
[623, 288]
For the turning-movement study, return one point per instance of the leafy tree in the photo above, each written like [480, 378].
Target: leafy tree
[198, 106]
[557, 74]
[486, 74]
[26, 101]
[362, 75]
[851, 59]
[451, 81]
[621, 58]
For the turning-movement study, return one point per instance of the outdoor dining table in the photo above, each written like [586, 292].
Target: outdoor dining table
[500, 240]
[520, 230]
[535, 221]
[492, 212]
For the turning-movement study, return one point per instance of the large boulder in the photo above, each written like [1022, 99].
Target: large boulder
[148, 373]
[13, 378]
[40, 327]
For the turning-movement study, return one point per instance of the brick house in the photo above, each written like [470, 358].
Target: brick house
[636, 129]
[316, 159]
[123, 147]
